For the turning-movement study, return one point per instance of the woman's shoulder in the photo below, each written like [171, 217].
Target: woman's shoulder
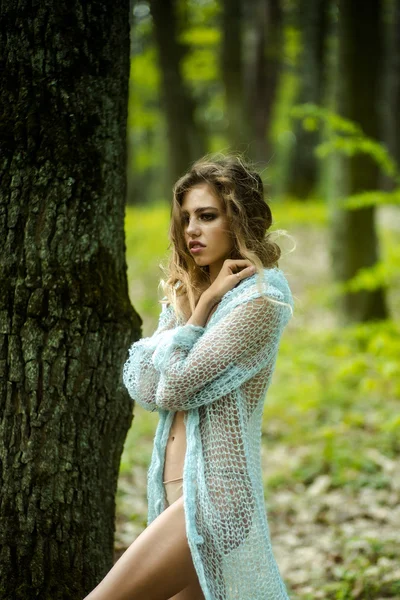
[276, 278]
[271, 283]
[165, 305]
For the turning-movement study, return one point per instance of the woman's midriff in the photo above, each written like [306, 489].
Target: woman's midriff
[176, 444]
[175, 448]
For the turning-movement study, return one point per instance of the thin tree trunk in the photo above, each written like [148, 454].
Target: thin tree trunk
[185, 138]
[312, 18]
[263, 62]
[232, 75]
[65, 315]
[355, 242]
[390, 96]
[396, 82]
[274, 53]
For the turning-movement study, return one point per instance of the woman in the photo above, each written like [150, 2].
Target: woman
[206, 370]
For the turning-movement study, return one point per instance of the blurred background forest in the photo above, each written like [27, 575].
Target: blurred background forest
[310, 92]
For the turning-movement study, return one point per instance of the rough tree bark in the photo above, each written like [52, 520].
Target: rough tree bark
[65, 316]
[354, 236]
[185, 138]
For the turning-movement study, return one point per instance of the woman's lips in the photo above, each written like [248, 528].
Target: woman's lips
[196, 249]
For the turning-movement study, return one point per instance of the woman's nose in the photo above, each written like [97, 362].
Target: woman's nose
[193, 227]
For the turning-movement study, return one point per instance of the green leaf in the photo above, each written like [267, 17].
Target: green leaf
[201, 36]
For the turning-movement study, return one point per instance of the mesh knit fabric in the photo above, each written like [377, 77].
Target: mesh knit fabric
[220, 375]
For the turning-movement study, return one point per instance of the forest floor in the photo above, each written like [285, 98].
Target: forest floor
[333, 506]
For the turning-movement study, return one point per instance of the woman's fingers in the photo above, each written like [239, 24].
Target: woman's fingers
[239, 261]
[230, 264]
[231, 273]
[246, 272]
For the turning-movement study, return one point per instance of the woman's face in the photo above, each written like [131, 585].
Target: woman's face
[205, 221]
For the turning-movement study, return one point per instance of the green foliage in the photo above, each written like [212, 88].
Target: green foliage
[281, 133]
[370, 198]
[328, 396]
[200, 67]
[147, 245]
[292, 46]
[369, 278]
[202, 14]
[144, 72]
[384, 273]
[292, 211]
[146, 125]
[312, 116]
[201, 36]
[146, 230]
[140, 435]
[344, 137]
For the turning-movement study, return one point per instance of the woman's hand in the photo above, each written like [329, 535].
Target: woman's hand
[231, 273]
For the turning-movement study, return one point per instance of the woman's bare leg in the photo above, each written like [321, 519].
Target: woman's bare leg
[192, 592]
[157, 565]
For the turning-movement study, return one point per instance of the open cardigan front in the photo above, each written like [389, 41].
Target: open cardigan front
[220, 375]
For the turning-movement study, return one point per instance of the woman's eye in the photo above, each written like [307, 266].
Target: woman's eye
[204, 216]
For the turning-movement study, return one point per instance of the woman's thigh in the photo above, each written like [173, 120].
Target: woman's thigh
[191, 592]
[157, 565]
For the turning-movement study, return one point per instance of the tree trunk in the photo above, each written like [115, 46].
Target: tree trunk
[185, 138]
[396, 81]
[263, 62]
[390, 96]
[312, 19]
[355, 242]
[232, 75]
[65, 316]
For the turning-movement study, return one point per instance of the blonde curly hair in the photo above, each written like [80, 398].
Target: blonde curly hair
[241, 192]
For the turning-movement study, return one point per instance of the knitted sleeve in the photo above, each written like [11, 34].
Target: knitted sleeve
[198, 366]
[139, 375]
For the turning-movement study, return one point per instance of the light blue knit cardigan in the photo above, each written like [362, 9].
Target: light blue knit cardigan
[220, 375]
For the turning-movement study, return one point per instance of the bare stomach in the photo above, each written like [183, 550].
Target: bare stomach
[176, 444]
[176, 448]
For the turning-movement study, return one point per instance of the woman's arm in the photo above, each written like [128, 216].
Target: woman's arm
[198, 366]
[139, 375]
[202, 311]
